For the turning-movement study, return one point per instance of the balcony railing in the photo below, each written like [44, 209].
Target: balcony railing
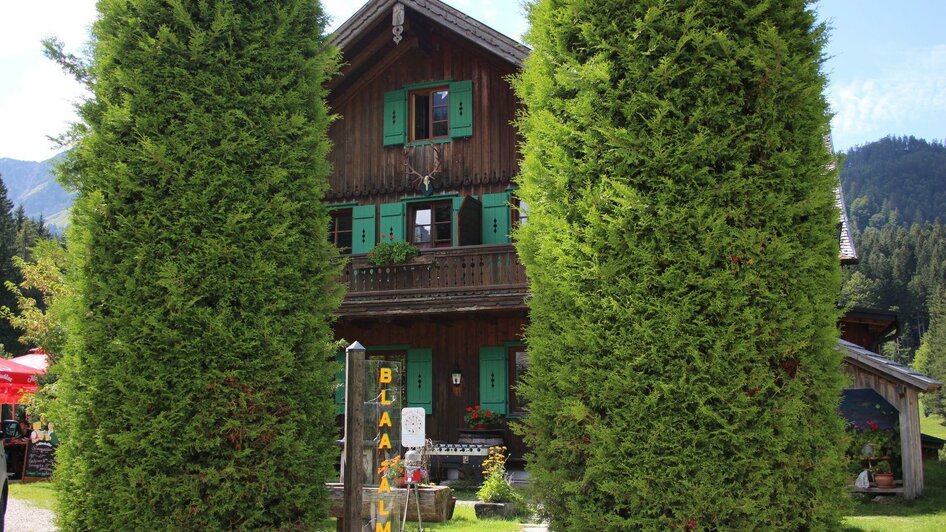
[439, 279]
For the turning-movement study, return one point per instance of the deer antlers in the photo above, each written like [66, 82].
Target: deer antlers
[420, 179]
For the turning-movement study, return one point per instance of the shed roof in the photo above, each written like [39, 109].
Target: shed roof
[893, 370]
[466, 26]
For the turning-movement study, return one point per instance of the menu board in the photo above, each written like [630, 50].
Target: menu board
[39, 460]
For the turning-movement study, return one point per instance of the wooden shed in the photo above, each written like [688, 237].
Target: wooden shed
[900, 385]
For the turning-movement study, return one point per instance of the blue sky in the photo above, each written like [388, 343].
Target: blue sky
[887, 66]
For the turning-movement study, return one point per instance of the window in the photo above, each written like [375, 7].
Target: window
[518, 365]
[430, 114]
[431, 225]
[339, 230]
[520, 214]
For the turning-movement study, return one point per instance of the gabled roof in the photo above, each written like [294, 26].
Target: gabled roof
[475, 31]
[894, 370]
[848, 253]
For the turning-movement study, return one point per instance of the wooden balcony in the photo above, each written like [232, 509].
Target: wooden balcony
[461, 279]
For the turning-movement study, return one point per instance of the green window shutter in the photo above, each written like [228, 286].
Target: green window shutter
[362, 238]
[461, 109]
[496, 218]
[392, 221]
[395, 117]
[419, 383]
[340, 383]
[494, 380]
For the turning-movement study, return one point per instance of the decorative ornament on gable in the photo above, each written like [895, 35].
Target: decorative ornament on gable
[424, 182]
[397, 20]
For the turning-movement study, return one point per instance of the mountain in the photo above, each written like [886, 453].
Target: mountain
[895, 180]
[33, 185]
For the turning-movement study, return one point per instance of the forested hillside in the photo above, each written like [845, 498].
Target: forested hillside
[895, 180]
[896, 193]
[33, 186]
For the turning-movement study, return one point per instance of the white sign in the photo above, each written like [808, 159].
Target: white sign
[413, 427]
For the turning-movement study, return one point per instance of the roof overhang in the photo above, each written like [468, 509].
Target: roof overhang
[888, 368]
[471, 29]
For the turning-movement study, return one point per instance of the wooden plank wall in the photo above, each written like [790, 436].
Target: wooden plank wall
[365, 171]
[906, 400]
[454, 339]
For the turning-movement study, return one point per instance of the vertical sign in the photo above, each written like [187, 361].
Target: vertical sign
[384, 387]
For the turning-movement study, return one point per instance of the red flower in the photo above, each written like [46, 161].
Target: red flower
[477, 407]
[475, 415]
[469, 409]
[488, 413]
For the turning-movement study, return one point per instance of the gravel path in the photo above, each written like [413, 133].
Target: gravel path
[22, 516]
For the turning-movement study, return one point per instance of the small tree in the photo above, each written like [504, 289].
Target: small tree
[195, 387]
[683, 258]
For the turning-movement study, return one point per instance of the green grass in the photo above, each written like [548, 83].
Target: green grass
[41, 494]
[926, 513]
[932, 425]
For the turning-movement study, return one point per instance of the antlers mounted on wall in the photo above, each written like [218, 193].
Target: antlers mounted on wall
[421, 180]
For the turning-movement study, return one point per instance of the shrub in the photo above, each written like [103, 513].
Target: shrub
[495, 487]
[682, 254]
[196, 382]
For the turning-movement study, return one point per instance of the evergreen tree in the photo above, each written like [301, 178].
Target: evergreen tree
[8, 273]
[195, 387]
[931, 356]
[683, 258]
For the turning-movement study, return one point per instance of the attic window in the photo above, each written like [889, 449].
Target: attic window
[430, 114]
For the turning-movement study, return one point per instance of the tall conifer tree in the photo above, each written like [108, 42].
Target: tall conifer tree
[9, 337]
[195, 389]
[683, 257]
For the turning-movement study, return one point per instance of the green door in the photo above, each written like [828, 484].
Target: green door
[419, 381]
[494, 380]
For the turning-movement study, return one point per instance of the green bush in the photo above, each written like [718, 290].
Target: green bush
[196, 383]
[683, 262]
[495, 488]
[388, 253]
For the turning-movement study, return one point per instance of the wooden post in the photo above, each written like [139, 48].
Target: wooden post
[354, 436]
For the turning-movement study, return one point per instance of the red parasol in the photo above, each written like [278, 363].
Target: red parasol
[17, 379]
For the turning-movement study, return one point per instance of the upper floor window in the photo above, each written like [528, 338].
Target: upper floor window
[434, 111]
[430, 114]
[340, 229]
[431, 225]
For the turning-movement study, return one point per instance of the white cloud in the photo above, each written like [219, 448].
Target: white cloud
[914, 93]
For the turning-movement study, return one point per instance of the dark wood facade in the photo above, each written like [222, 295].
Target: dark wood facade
[455, 307]
[367, 171]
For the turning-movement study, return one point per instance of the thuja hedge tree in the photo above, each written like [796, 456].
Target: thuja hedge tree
[196, 383]
[683, 257]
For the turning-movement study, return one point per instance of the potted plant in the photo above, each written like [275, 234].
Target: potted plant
[883, 476]
[393, 470]
[497, 498]
[388, 252]
[478, 418]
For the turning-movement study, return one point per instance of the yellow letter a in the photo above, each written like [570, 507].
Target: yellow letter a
[385, 442]
[384, 487]
[385, 420]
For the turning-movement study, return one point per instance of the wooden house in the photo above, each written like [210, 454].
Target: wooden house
[424, 152]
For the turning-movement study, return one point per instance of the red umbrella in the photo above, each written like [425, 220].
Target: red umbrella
[17, 379]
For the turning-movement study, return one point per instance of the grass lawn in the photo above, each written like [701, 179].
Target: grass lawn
[41, 494]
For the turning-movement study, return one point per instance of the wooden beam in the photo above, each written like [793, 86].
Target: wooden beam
[354, 437]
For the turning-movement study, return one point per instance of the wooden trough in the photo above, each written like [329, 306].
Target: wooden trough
[436, 502]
